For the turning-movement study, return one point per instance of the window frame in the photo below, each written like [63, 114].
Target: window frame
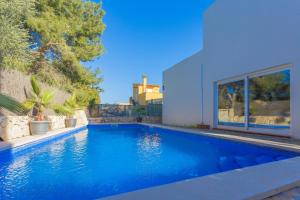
[277, 129]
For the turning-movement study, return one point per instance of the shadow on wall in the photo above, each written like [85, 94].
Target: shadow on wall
[17, 85]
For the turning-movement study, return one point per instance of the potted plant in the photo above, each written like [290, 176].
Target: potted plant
[140, 112]
[38, 101]
[68, 109]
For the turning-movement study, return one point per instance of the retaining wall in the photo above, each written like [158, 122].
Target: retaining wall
[12, 127]
[17, 85]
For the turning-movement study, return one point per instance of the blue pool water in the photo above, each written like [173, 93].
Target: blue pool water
[106, 160]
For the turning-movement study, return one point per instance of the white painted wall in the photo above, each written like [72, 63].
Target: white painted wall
[240, 37]
[181, 92]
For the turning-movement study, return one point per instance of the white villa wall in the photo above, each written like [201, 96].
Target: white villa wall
[240, 37]
[181, 92]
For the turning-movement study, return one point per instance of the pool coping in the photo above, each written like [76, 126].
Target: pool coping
[25, 142]
[210, 133]
[255, 182]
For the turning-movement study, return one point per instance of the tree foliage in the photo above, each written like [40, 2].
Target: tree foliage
[14, 45]
[69, 32]
[50, 39]
[271, 87]
[230, 93]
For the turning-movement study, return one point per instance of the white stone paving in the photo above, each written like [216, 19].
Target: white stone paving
[257, 182]
[293, 194]
[32, 138]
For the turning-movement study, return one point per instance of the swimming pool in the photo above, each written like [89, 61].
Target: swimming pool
[111, 159]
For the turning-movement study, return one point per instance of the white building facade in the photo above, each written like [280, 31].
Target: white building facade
[247, 76]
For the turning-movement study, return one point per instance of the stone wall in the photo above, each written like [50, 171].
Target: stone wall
[81, 117]
[152, 120]
[57, 122]
[17, 85]
[12, 127]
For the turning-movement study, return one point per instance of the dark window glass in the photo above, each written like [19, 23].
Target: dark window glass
[231, 103]
[269, 99]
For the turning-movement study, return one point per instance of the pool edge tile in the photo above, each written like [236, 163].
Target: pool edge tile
[257, 182]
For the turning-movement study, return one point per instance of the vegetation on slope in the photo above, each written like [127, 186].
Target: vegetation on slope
[50, 39]
[14, 40]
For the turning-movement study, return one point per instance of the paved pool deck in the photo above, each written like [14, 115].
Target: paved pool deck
[292, 194]
[258, 139]
[19, 142]
[255, 183]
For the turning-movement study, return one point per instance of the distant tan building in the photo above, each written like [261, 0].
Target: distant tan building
[143, 92]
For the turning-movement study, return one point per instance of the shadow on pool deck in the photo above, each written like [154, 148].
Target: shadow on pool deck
[292, 194]
[285, 142]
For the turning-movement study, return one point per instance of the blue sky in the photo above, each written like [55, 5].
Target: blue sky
[146, 37]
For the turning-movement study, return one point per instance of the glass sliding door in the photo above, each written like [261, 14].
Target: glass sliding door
[256, 101]
[231, 103]
[269, 100]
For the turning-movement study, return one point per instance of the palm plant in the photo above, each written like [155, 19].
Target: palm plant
[68, 108]
[38, 100]
[140, 111]
[9, 103]
[63, 110]
[71, 102]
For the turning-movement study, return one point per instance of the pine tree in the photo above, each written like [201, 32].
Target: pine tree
[69, 32]
[14, 45]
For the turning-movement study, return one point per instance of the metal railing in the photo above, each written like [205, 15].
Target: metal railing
[115, 110]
